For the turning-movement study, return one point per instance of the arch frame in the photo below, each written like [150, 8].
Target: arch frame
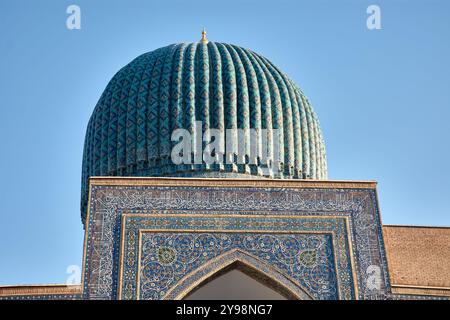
[245, 262]
[139, 231]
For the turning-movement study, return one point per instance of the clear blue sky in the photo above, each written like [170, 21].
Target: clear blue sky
[382, 97]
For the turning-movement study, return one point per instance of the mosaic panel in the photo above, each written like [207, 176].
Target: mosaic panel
[306, 255]
[181, 197]
[166, 259]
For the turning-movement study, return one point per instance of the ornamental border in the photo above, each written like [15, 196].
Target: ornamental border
[361, 203]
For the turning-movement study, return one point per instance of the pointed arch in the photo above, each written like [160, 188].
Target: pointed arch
[249, 265]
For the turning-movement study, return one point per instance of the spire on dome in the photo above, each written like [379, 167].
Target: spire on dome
[204, 40]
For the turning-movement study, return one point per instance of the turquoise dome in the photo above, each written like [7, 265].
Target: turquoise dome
[222, 85]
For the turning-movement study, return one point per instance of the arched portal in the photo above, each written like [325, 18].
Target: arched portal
[252, 268]
[238, 282]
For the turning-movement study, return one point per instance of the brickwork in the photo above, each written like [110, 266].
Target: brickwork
[418, 259]
[40, 292]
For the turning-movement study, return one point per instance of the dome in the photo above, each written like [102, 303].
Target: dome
[222, 85]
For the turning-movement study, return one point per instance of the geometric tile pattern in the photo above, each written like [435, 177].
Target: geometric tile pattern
[134, 220]
[225, 87]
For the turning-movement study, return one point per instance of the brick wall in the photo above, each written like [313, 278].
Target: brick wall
[418, 257]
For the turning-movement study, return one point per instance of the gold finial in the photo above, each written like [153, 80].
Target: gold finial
[204, 39]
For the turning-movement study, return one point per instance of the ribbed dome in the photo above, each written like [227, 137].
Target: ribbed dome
[222, 85]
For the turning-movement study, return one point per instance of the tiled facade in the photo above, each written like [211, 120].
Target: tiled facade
[137, 225]
[150, 238]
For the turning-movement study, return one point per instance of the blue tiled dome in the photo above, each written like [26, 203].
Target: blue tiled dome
[222, 85]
